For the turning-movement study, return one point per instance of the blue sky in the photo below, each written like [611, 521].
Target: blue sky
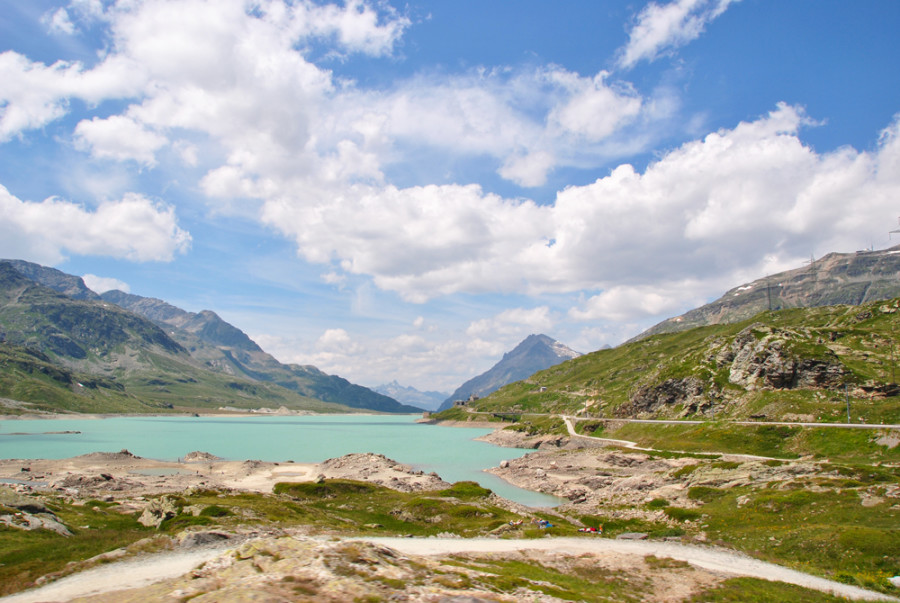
[405, 191]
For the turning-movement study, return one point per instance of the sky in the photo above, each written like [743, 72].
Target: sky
[405, 190]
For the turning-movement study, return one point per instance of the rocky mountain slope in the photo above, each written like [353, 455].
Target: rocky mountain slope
[837, 278]
[59, 341]
[534, 353]
[806, 364]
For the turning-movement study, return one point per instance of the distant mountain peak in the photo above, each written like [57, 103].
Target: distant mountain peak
[67, 284]
[534, 353]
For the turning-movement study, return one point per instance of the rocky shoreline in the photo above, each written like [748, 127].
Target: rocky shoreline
[590, 476]
[113, 474]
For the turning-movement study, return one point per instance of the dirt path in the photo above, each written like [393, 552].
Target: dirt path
[133, 573]
[147, 570]
[634, 445]
[710, 559]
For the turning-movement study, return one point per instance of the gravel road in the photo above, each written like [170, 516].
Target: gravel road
[148, 569]
[133, 573]
[714, 560]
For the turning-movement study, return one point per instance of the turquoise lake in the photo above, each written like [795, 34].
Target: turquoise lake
[451, 452]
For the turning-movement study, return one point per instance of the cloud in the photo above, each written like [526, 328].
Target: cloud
[513, 323]
[58, 22]
[34, 94]
[628, 303]
[119, 138]
[133, 228]
[528, 170]
[338, 341]
[356, 27]
[102, 284]
[314, 155]
[716, 206]
[419, 241]
[662, 27]
[246, 82]
[595, 110]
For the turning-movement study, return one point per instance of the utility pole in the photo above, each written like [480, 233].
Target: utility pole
[847, 394]
[893, 378]
[813, 269]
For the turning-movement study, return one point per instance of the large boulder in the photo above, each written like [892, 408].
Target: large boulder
[158, 510]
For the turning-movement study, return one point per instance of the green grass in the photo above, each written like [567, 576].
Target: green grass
[25, 556]
[763, 440]
[754, 590]
[775, 441]
[584, 582]
[828, 532]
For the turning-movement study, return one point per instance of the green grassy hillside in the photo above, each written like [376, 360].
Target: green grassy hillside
[798, 364]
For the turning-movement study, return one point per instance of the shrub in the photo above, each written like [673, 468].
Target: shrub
[686, 470]
[705, 493]
[325, 489]
[679, 514]
[466, 490]
[215, 511]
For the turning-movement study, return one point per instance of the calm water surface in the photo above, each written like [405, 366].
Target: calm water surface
[451, 452]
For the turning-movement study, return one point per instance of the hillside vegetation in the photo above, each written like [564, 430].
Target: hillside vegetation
[805, 364]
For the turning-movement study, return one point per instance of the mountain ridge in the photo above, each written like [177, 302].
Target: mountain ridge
[199, 341]
[428, 400]
[836, 278]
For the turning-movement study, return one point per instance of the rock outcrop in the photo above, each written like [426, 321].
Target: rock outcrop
[761, 357]
[687, 393]
[158, 510]
[378, 469]
[28, 513]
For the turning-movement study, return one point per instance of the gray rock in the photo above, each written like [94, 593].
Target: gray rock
[632, 536]
[195, 539]
[157, 511]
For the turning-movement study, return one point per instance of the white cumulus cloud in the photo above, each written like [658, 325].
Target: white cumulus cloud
[102, 284]
[513, 323]
[34, 94]
[133, 228]
[660, 27]
[717, 206]
[120, 138]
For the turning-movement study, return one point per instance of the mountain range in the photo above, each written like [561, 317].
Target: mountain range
[534, 353]
[429, 400]
[66, 348]
[837, 278]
